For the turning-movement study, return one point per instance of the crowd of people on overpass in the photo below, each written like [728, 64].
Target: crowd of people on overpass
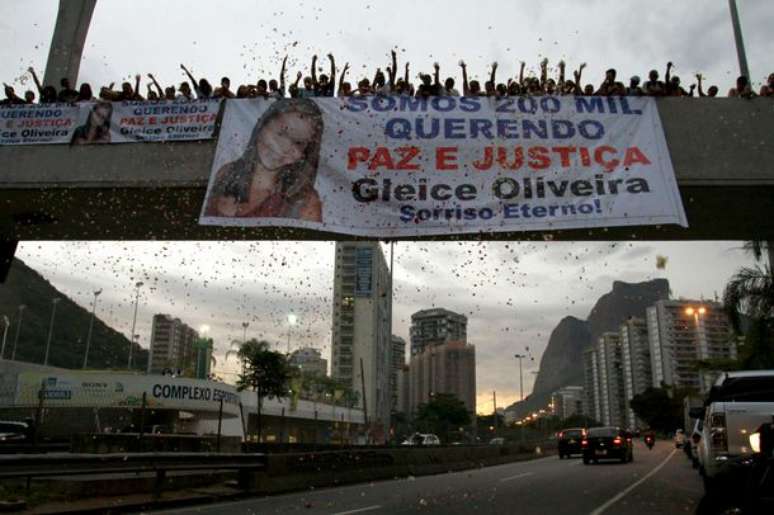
[387, 82]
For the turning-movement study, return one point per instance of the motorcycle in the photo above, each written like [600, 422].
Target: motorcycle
[650, 442]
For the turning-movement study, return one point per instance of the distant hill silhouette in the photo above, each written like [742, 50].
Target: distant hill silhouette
[109, 348]
[562, 361]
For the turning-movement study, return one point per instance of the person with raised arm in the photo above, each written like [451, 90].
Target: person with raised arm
[711, 92]
[392, 72]
[277, 90]
[543, 74]
[562, 82]
[345, 88]
[491, 86]
[156, 84]
[522, 65]
[202, 87]
[47, 94]
[326, 87]
[308, 91]
[465, 83]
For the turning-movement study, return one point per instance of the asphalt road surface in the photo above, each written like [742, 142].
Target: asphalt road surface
[657, 481]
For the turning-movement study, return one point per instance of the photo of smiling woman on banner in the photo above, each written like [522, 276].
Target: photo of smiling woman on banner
[96, 130]
[276, 173]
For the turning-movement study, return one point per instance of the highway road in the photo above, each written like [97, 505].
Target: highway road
[658, 481]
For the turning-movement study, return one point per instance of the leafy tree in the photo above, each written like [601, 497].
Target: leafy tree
[660, 410]
[265, 371]
[749, 301]
[444, 413]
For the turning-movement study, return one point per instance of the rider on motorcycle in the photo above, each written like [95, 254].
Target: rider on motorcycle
[650, 439]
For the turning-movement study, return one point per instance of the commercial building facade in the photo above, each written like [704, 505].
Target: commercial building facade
[361, 337]
[172, 343]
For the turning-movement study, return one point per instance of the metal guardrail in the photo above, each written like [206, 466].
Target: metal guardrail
[65, 464]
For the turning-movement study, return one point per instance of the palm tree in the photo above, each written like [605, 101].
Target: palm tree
[750, 294]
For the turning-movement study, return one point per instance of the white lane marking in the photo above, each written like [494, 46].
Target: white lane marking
[631, 487]
[359, 510]
[518, 476]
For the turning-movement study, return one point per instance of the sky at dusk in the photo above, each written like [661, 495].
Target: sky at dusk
[512, 293]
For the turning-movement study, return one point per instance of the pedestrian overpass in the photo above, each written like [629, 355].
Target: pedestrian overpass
[722, 151]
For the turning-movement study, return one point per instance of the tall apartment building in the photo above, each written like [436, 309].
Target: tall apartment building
[446, 368]
[635, 352]
[592, 407]
[172, 343]
[398, 362]
[568, 401]
[680, 332]
[309, 360]
[435, 327]
[362, 307]
[202, 357]
[404, 403]
[604, 371]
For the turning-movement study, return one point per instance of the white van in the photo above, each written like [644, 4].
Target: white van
[737, 405]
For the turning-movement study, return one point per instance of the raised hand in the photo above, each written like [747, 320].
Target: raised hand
[299, 75]
[462, 64]
[436, 66]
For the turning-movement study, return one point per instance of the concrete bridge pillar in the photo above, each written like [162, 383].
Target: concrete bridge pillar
[72, 26]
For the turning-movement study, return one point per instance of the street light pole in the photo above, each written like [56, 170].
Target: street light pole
[740, 50]
[134, 322]
[54, 302]
[22, 307]
[91, 326]
[521, 377]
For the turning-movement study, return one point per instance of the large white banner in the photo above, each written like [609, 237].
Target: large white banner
[110, 390]
[91, 123]
[398, 166]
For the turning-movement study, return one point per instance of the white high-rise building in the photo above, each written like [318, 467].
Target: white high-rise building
[362, 306]
[682, 332]
[635, 353]
[568, 401]
[604, 377]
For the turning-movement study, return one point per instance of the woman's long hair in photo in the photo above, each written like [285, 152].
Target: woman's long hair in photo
[295, 179]
[102, 131]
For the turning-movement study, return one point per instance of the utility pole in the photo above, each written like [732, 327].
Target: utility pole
[91, 326]
[494, 404]
[134, 322]
[739, 40]
[54, 302]
[22, 307]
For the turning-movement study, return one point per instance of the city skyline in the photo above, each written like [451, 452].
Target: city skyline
[501, 322]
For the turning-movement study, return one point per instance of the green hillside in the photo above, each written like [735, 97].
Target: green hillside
[109, 348]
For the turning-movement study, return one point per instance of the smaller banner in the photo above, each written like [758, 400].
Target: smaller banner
[90, 123]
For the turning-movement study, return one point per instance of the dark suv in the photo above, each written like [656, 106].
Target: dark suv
[607, 443]
[570, 441]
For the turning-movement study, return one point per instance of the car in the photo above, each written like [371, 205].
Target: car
[737, 404]
[420, 439]
[569, 441]
[679, 439]
[12, 432]
[497, 441]
[607, 443]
